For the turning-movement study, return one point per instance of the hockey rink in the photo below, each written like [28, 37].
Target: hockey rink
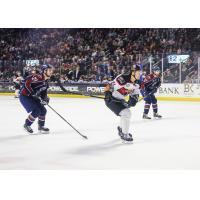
[170, 143]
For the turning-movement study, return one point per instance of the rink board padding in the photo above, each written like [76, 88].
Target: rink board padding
[54, 88]
[80, 96]
[178, 99]
[50, 95]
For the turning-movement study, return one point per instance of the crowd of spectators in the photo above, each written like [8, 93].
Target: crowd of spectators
[98, 55]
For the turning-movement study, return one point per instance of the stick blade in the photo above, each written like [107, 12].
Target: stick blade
[85, 137]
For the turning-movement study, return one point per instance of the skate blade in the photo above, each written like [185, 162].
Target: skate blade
[157, 118]
[43, 132]
[28, 132]
[126, 142]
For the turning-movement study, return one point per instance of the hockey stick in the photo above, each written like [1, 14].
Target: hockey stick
[86, 95]
[98, 97]
[148, 94]
[94, 96]
[145, 96]
[64, 120]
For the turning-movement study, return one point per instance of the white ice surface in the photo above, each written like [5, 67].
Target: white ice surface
[170, 143]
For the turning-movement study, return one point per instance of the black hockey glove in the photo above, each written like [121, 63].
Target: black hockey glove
[47, 99]
[133, 100]
[126, 104]
[36, 97]
[43, 102]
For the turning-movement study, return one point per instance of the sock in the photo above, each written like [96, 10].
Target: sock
[29, 120]
[146, 108]
[155, 108]
[41, 120]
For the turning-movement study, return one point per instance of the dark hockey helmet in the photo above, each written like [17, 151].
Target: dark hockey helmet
[134, 68]
[44, 67]
[131, 72]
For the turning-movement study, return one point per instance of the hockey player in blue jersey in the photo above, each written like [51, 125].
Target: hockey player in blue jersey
[33, 97]
[149, 87]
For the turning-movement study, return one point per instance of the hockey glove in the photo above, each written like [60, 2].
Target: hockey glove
[42, 101]
[47, 99]
[133, 100]
[36, 97]
[125, 104]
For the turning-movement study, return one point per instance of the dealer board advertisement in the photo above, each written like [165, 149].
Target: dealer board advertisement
[56, 89]
[179, 90]
[166, 90]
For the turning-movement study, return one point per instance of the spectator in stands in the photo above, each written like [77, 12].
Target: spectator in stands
[94, 52]
[168, 76]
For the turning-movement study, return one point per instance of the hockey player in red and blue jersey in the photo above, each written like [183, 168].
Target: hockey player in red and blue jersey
[149, 87]
[33, 97]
